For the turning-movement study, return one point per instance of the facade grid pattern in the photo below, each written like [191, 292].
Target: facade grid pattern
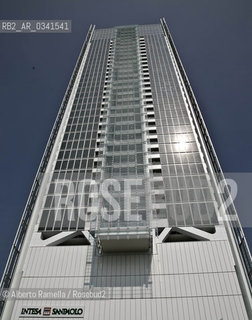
[77, 152]
[189, 196]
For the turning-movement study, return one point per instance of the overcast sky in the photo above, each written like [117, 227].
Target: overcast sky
[214, 42]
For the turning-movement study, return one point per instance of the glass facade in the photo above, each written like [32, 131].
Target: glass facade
[130, 121]
[123, 132]
[186, 181]
[75, 159]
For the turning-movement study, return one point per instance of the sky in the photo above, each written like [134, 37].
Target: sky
[213, 39]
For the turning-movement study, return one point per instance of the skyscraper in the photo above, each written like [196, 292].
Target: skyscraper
[128, 215]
